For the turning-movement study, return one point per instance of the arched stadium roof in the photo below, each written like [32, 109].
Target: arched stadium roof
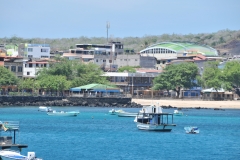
[181, 47]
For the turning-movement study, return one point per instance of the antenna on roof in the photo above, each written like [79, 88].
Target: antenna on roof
[108, 26]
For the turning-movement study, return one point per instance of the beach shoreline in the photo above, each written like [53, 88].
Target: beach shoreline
[191, 103]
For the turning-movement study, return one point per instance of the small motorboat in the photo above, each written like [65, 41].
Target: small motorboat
[45, 109]
[63, 113]
[177, 113]
[15, 155]
[126, 114]
[192, 130]
[112, 112]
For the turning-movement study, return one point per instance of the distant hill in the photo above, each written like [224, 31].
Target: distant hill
[225, 41]
[229, 48]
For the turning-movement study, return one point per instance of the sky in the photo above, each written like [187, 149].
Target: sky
[127, 18]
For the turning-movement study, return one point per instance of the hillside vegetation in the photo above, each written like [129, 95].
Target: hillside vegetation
[225, 41]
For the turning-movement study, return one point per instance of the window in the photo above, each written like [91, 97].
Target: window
[13, 68]
[30, 56]
[44, 50]
[28, 73]
[125, 59]
[45, 65]
[19, 68]
[104, 60]
[96, 60]
[44, 56]
[37, 65]
[136, 60]
[30, 49]
[30, 65]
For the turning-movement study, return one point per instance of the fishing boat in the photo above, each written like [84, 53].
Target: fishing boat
[126, 114]
[15, 155]
[177, 113]
[9, 149]
[45, 109]
[152, 118]
[63, 113]
[147, 110]
[192, 130]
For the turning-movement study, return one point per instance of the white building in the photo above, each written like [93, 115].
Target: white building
[31, 68]
[37, 50]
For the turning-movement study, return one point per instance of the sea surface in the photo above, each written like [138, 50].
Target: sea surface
[96, 135]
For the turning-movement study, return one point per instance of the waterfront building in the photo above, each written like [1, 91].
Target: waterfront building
[130, 83]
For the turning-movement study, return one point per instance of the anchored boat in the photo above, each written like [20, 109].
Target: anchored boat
[45, 109]
[63, 113]
[126, 114]
[192, 130]
[177, 113]
[153, 119]
[9, 150]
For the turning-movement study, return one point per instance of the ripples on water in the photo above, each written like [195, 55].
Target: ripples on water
[94, 134]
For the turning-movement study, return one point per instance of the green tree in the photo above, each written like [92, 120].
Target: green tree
[88, 73]
[7, 77]
[54, 83]
[62, 67]
[231, 74]
[177, 76]
[212, 75]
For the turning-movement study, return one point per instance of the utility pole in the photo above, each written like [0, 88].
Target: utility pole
[108, 26]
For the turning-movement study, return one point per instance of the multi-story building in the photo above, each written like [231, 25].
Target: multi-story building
[34, 50]
[131, 83]
[31, 68]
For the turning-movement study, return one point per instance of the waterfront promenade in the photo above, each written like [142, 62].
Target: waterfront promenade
[191, 103]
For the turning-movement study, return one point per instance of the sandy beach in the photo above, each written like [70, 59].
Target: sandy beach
[191, 103]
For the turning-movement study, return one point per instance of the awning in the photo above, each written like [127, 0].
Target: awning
[75, 89]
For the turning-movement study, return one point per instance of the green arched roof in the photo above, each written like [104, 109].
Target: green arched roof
[181, 47]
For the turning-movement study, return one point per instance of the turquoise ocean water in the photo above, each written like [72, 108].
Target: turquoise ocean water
[94, 134]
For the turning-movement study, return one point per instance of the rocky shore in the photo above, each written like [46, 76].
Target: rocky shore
[68, 101]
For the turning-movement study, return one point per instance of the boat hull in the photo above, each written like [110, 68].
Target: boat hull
[65, 114]
[152, 127]
[127, 114]
[11, 155]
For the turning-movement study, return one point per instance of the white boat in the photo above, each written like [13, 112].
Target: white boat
[177, 113]
[112, 111]
[147, 109]
[62, 113]
[13, 151]
[126, 114]
[45, 109]
[153, 119]
[14, 155]
[192, 130]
